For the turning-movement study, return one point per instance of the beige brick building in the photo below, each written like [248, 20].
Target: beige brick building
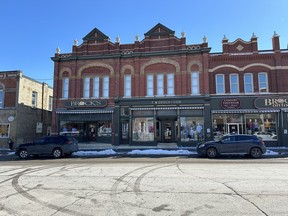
[25, 108]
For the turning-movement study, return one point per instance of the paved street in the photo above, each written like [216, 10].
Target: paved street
[144, 186]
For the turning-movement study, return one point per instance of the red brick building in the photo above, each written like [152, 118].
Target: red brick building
[162, 90]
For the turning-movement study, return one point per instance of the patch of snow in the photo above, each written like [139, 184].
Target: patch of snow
[269, 152]
[160, 152]
[87, 153]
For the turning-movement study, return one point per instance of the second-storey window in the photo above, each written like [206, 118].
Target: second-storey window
[105, 89]
[96, 87]
[50, 103]
[86, 87]
[195, 82]
[34, 99]
[170, 84]
[234, 84]
[220, 84]
[248, 83]
[150, 85]
[160, 84]
[263, 82]
[127, 85]
[65, 87]
[1, 97]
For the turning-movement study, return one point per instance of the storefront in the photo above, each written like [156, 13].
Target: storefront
[262, 116]
[86, 120]
[152, 121]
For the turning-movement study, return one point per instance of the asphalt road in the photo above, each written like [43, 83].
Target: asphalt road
[144, 186]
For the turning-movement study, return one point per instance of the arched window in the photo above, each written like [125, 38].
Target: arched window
[65, 87]
[127, 85]
[195, 82]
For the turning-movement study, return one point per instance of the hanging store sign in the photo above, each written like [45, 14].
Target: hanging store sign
[263, 103]
[86, 103]
[230, 103]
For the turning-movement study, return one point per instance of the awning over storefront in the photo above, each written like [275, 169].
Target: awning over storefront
[65, 111]
[247, 111]
[165, 108]
[85, 115]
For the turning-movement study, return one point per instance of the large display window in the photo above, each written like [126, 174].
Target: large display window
[192, 128]
[263, 125]
[87, 129]
[143, 129]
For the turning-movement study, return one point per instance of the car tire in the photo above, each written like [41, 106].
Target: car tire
[256, 152]
[23, 153]
[57, 153]
[211, 152]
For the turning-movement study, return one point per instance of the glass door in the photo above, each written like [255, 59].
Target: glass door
[168, 131]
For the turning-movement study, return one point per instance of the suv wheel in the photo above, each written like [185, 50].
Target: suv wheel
[211, 152]
[256, 152]
[57, 153]
[23, 153]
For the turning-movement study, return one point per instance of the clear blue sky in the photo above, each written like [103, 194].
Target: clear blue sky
[31, 30]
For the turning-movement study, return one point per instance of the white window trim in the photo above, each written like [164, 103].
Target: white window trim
[161, 86]
[172, 87]
[127, 85]
[105, 87]
[96, 87]
[218, 75]
[231, 84]
[193, 83]
[151, 82]
[86, 88]
[252, 83]
[65, 89]
[267, 86]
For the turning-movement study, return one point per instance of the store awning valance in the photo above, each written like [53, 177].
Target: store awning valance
[247, 111]
[166, 108]
[61, 111]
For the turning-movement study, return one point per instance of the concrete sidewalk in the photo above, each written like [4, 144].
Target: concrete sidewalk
[101, 146]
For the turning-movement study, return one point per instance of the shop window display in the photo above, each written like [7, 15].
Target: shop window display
[143, 129]
[191, 128]
[105, 129]
[68, 128]
[89, 129]
[259, 124]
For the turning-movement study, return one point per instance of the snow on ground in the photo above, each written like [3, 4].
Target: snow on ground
[148, 152]
[4, 151]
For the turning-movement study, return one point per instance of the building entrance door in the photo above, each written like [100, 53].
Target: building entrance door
[168, 131]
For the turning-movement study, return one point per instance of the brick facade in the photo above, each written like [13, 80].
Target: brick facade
[161, 52]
